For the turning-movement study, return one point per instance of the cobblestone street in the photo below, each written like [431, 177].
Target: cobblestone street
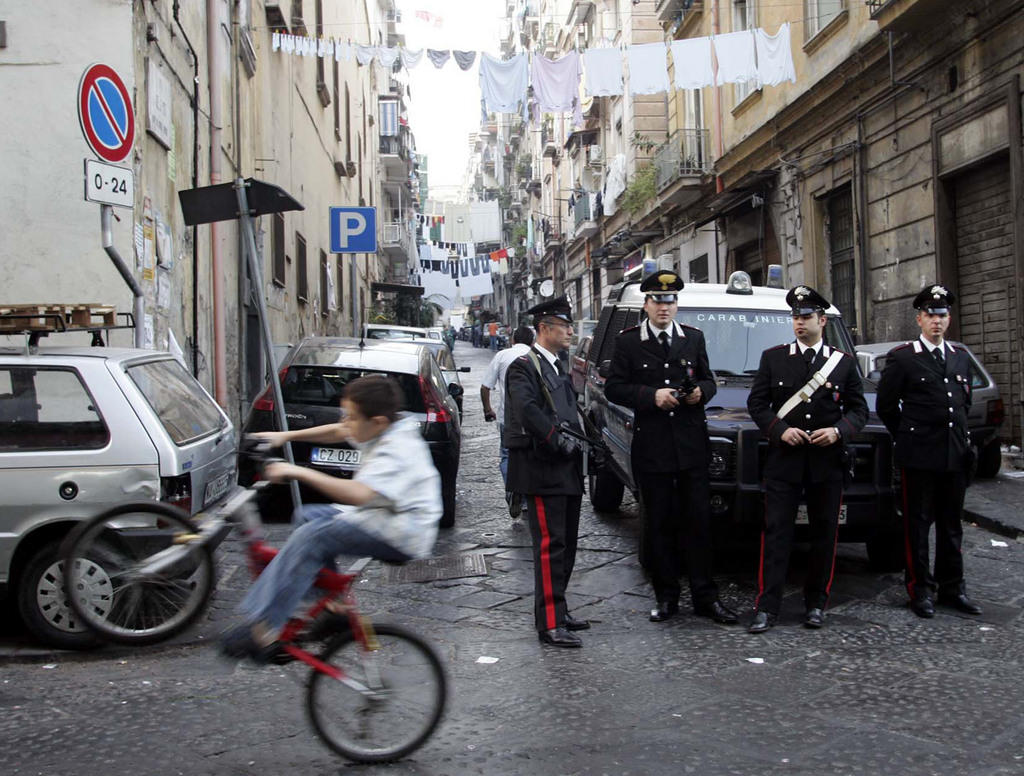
[877, 691]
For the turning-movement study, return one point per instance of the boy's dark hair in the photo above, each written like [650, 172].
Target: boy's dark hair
[523, 335]
[375, 395]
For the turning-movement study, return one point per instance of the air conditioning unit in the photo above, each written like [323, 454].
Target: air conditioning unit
[594, 154]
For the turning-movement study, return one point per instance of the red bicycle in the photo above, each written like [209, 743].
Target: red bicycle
[142, 572]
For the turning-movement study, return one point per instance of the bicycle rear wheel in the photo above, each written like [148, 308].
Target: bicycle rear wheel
[129, 579]
[406, 697]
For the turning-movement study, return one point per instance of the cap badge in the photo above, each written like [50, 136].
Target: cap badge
[939, 291]
[800, 292]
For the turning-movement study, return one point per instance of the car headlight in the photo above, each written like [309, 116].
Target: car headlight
[722, 459]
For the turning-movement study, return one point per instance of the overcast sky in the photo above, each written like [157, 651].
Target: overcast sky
[445, 105]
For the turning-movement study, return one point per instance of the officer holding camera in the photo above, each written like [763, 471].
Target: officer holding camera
[660, 369]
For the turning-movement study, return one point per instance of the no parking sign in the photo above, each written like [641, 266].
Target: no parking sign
[105, 113]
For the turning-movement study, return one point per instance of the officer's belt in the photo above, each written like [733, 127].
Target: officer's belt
[817, 380]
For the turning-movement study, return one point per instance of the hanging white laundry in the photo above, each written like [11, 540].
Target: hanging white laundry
[737, 63]
[438, 57]
[648, 68]
[387, 56]
[365, 54]
[556, 84]
[614, 184]
[411, 58]
[287, 44]
[603, 69]
[774, 56]
[328, 49]
[692, 60]
[504, 84]
[321, 47]
[275, 41]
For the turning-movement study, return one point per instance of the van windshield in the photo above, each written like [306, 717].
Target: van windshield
[736, 338]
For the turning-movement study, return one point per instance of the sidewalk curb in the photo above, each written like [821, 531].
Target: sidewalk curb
[993, 524]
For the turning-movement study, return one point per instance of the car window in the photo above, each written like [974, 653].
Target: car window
[185, 411]
[444, 358]
[977, 377]
[320, 386]
[616, 323]
[438, 379]
[48, 409]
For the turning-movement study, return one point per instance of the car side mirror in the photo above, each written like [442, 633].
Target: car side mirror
[463, 368]
[605, 369]
[455, 390]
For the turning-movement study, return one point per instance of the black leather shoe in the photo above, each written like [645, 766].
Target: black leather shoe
[664, 610]
[960, 602]
[718, 612]
[923, 607]
[815, 618]
[572, 624]
[559, 637]
[762, 622]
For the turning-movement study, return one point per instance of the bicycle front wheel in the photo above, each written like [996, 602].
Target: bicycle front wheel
[404, 696]
[135, 574]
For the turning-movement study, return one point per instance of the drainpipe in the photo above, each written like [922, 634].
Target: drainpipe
[138, 306]
[717, 94]
[195, 184]
[214, 70]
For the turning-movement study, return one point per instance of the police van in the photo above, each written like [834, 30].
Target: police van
[739, 322]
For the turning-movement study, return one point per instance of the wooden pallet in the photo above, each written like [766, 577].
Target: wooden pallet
[57, 317]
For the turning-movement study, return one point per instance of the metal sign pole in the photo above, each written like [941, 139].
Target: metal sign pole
[261, 307]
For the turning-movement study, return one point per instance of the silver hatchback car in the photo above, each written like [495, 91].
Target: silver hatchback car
[83, 429]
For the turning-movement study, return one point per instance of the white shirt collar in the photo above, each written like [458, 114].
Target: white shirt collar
[816, 347]
[656, 332]
[551, 357]
[930, 346]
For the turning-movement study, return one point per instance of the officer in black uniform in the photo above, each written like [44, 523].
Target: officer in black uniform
[806, 456]
[660, 369]
[923, 398]
[546, 466]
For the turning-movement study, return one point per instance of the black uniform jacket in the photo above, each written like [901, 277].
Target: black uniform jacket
[663, 441]
[536, 466]
[925, 407]
[838, 403]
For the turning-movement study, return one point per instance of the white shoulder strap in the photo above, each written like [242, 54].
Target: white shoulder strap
[817, 380]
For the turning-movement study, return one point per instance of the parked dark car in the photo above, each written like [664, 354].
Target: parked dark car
[740, 321]
[446, 361]
[987, 410]
[578, 365]
[312, 376]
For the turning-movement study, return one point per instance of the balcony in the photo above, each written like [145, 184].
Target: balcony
[584, 220]
[677, 10]
[579, 10]
[398, 241]
[394, 155]
[905, 15]
[684, 155]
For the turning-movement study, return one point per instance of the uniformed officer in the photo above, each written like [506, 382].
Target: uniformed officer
[660, 369]
[807, 398]
[923, 398]
[546, 466]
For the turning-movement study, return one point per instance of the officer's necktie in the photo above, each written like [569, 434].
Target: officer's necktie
[558, 368]
[937, 353]
[809, 355]
[664, 342]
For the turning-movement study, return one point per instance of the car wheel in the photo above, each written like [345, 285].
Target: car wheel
[606, 491]
[886, 551]
[448, 499]
[43, 605]
[990, 459]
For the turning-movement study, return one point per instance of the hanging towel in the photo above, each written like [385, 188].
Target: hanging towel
[692, 60]
[774, 56]
[464, 59]
[411, 58]
[438, 57]
[556, 85]
[648, 68]
[342, 51]
[387, 56]
[321, 47]
[736, 59]
[604, 71]
[503, 84]
[614, 184]
[275, 41]
[365, 54]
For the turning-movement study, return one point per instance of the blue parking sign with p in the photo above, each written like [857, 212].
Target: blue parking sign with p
[353, 230]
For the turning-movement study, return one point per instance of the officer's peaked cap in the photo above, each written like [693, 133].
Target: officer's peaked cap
[558, 308]
[662, 286]
[934, 299]
[804, 300]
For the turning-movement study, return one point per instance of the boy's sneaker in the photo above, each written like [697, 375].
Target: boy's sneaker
[325, 625]
[239, 643]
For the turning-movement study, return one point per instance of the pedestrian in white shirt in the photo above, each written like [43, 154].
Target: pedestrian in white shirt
[493, 386]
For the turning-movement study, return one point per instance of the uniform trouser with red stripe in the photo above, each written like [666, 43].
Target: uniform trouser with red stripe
[554, 524]
[930, 496]
[781, 500]
[677, 525]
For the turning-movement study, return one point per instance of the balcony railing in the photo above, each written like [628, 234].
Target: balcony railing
[875, 6]
[581, 211]
[394, 146]
[399, 235]
[685, 153]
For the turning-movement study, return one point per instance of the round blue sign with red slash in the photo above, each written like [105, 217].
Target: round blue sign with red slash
[105, 113]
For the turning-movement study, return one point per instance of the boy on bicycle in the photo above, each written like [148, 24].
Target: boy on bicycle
[389, 510]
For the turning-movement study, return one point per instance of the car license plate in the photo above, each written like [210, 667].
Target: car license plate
[333, 456]
[216, 488]
[801, 515]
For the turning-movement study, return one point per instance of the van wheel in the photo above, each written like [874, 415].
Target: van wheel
[990, 459]
[43, 606]
[606, 491]
[886, 551]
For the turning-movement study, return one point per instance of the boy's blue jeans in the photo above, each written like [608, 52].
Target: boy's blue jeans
[321, 534]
